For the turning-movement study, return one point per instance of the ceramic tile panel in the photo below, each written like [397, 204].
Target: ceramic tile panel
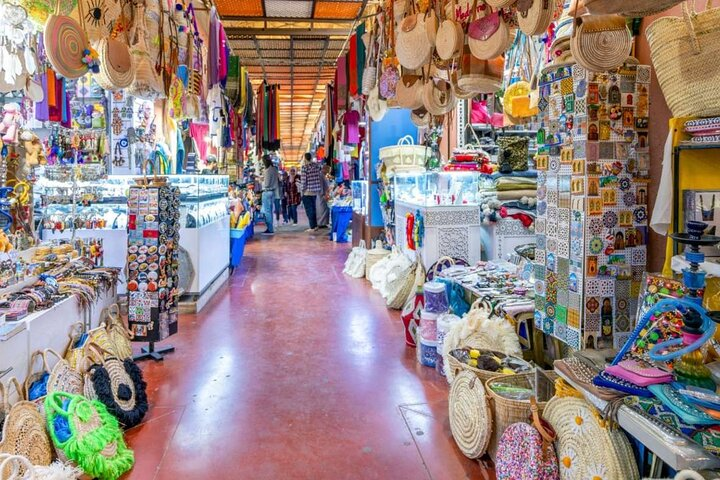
[593, 218]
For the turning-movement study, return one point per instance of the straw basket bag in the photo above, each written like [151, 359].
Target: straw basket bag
[120, 336]
[400, 287]
[405, 156]
[355, 263]
[63, 378]
[117, 69]
[628, 8]
[480, 331]
[534, 16]
[585, 445]
[489, 36]
[146, 84]
[412, 47]
[24, 431]
[438, 97]
[526, 451]
[506, 411]
[450, 37]
[13, 465]
[409, 90]
[600, 43]
[369, 78]
[373, 256]
[470, 415]
[684, 52]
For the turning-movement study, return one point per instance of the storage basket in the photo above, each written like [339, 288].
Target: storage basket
[405, 156]
[373, 256]
[684, 52]
[506, 411]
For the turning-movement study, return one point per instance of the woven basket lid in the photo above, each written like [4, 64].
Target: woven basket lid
[585, 448]
[470, 415]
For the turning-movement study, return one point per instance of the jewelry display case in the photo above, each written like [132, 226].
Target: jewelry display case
[432, 189]
[359, 196]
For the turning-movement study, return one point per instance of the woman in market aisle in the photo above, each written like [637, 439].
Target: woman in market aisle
[311, 182]
[271, 189]
[323, 212]
[283, 198]
[292, 194]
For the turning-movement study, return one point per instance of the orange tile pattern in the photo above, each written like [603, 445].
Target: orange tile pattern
[337, 9]
[240, 8]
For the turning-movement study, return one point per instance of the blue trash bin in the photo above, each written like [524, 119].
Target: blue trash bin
[341, 218]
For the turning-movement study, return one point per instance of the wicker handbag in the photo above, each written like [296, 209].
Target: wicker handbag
[471, 420]
[507, 410]
[24, 431]
[63, 378]
[412, 47]
[438, 97]
[146, 84]
[88, 435]
[479, 76]
[684, 52]
[600, 43]
[355, 263]
[526, 451]
[628, 8]
[77, 348]
[534, 16]
[118, 384]
[369, 78]
[400, 287]
[116, 64]
[500, 3]
[585, 445]
[450, 37]
[489, 36]
[409, 91]
[120, 336]
[404, 157]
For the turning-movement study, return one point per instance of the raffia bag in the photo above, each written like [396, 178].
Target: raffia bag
[146, 84]
[450, 37]
[24, 430]
[629, 8]
[409, 91]
[534, 16]
[470, 416]
[438, 97]
[400, 287]
[601, 43]
[117, 69]
[500, 3]
[120, 335]
[489, 36]
[685, 52]
[412, 47]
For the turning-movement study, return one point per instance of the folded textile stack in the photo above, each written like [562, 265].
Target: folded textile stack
[512, 195]
[469, 159]
[703, 130]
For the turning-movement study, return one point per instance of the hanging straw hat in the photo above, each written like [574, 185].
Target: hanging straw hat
[376, 107]
[438, 97]
[470, 415]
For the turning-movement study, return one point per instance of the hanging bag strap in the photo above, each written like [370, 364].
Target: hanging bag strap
[546, 433]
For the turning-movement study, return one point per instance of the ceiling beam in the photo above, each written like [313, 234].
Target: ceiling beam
[227, 18]
[289, 32]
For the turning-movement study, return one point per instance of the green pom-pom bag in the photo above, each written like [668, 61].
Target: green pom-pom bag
[88, 435]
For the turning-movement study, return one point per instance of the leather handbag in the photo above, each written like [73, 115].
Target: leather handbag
[600, 43]
[450, 37]
[412, 47]
[489, 36]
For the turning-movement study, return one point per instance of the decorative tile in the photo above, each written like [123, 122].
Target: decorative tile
[592, 322]
[572, 338]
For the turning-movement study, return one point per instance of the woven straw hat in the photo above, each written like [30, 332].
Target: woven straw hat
[439, 97]
[587, 448]
[470, 416]
[376, 107]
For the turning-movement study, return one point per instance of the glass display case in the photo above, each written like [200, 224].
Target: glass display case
[430, 189]
[359, 196]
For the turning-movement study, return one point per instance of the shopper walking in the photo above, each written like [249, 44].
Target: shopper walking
[271, 189]
[311, 186]
[323, 211]
[280, 200]
[292, 194]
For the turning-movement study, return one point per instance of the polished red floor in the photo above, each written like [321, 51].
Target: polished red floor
[295, 371]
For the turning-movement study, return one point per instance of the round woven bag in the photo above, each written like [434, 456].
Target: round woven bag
[585, 447]
[420, 117]
[116, 64]
[438, 98]
[24, 430]
[412, 47]
[601, 43]
[534, 16]
[450, 39]
[489, 36]
[409, 92]
[65, 42]
[431, 26]
[470, 416]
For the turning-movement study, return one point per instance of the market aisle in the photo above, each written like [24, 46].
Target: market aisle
[295, 371]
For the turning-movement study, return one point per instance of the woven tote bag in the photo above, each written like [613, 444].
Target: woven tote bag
[600, 43]
[24, 431]
[355, 263]
[409, 90]
[685, 52]
[412, 47]
[628, 8]
[400, 288]
[63, 377]
[470, 416]
[118, 384]
[438, 97]
[585, 446]
[526, 452]
[88, 435]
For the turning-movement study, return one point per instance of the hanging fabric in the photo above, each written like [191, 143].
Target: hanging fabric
[352, 67]
[361, 56]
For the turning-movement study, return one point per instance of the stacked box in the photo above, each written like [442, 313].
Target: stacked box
[592, 203]
[153, 243]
